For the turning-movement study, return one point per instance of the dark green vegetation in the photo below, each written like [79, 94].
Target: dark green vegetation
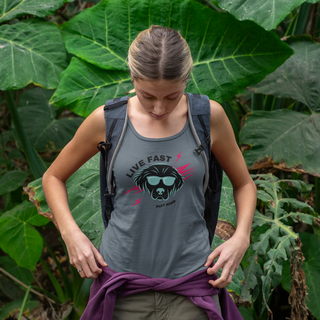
[63, 59]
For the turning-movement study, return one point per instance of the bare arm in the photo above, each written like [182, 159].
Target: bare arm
[227, 152]
[81, 148]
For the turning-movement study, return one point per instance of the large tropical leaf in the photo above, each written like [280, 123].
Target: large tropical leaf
[32, 51]
[39, 121]
[228, 54]
[298, 78]
[267, 14]
[273, 245]
[84, 199]
[12, 180]
[84, 87]
[18, 238]
[287, 139]
[10, 9]
[22, 274]
[284, 139]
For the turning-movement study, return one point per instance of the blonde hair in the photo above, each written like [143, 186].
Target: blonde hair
[159, 53]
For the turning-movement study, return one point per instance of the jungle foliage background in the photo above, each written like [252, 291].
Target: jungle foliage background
[61, 59]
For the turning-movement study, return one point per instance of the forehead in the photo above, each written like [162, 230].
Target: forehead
[159, 87]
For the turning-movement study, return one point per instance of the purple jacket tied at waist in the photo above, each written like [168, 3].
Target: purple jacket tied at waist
[111, 285]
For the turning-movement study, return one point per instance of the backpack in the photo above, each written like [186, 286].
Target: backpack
[116, 120]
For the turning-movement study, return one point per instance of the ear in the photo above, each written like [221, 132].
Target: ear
[178, 183]
[141, 178]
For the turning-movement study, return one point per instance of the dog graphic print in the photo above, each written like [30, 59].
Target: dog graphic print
[160, 180]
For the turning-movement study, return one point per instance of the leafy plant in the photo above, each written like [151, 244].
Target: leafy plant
[40, 120]
[228, 54]
[274, 224]
[273, 138]
[268, 15]
[19, 238]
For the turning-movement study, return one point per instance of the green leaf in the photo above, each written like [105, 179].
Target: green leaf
[273, 245]
[298, 78]
[228, 55]
[267, 14]
[247, 314]
[22, 274]
[272, 138]
[14, 8]
[252, 274]
[84, 87]
[32, 51]
[18, 238]
[16, 305]
[39, 119]
[83, 191]
[26, 212]
[12, 180]
[227, 209]
[311, 267]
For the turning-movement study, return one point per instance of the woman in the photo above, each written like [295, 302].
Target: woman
[159, 233]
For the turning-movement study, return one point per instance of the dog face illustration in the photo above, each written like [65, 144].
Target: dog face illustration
[160, 180]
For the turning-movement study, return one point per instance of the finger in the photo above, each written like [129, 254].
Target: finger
[217, 266]
[99, 257]
[93, 267]
[224, 279]
[214, 254]
[84, 261]
[80, 270]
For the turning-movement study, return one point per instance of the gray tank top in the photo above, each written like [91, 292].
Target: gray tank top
[157, 228]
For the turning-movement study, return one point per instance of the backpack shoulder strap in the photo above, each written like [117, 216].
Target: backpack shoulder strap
[200, 116]
[115, 114]
[199, 120]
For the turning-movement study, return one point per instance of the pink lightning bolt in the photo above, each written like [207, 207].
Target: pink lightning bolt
[137, 202]
[136, 188]
[186, 173]
[178, 157]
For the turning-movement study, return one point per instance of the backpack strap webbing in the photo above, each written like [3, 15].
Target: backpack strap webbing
[115, 113]
[200, 110]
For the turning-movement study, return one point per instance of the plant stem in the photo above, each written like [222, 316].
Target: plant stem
[300, 26]
[257, 101]
[24, 302]
[24, 285]
[214, 7]
[36, 164]
[317, 194]
[65, 279]
[291, 27]
[54, 281]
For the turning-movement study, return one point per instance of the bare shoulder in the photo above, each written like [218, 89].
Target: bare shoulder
[220, 127]
[217, 112]
[93, 127]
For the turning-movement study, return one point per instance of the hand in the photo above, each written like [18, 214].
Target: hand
[82, 254]
[230, 255]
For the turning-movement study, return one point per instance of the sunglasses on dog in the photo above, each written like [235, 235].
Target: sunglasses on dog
[167, 181]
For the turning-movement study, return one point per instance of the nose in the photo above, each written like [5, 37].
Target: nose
[159, 108]
[160, 191]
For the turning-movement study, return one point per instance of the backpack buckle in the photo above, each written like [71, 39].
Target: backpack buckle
[199, 150]
[104, 145]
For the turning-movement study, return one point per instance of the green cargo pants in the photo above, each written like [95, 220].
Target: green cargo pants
[155, 305]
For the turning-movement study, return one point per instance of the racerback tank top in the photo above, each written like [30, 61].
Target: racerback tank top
[157, 228]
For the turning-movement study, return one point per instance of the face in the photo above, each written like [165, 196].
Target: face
[159, 97]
